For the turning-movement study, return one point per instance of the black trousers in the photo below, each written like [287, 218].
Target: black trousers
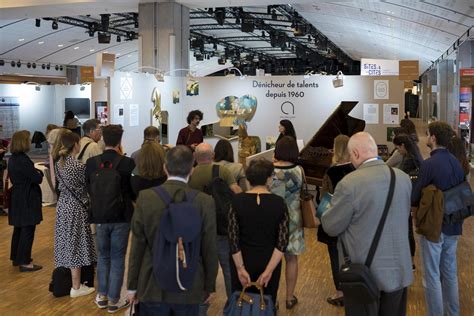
[334, 258]
[389, 304]
[411, 237]
[22, 242]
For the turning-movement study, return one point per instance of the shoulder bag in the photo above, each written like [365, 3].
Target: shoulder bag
[356, 281]
[308, 208]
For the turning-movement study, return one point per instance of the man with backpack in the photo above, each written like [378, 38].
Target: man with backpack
[108, 180]
[173, 257]
[218, 182]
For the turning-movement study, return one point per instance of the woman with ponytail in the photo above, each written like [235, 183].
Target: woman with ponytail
[73, 244]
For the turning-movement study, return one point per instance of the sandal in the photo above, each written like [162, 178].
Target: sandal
[336, 301]
[291, 303]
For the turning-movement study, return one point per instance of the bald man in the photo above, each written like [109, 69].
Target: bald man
[356, 208]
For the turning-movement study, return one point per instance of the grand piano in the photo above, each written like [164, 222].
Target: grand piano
[316, 156]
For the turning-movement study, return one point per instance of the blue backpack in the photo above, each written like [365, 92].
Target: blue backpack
[177, 244]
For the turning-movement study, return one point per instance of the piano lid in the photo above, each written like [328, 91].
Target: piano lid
[316, 156]
[338, 123]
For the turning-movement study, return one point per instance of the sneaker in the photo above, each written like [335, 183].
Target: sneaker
[81, 291]
[113, 308]
[101, 301]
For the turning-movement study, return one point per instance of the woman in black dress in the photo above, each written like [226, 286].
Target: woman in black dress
[258, 232]
[149, 171]
[25, 210]
[341, 166]
[286, 129]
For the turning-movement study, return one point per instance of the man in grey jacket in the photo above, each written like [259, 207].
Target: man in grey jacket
[354, 214]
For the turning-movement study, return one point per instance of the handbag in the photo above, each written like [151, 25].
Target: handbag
[308, 208]
[356, 281]
[74, 195]
[249, 304]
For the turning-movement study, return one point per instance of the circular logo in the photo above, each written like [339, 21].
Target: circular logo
[381, 89]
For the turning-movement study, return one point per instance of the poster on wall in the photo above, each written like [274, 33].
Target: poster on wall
[192, 87]
[381, 89]
[134, 116]
[391, 113]
[175, 96]
[9, 116]
[371, 113]
[102, 112]
[119, 115]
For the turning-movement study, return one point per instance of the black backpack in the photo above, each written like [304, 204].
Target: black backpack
[107, 203]
[61, 282]
[177, 244]
[223, 195]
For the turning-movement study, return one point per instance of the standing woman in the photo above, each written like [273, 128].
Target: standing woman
[286, 129]
[341, 165]
[224, 156]
[258, 232]
[25, 210]
[149, 170]
[73, 244]
[410, 163]
[287, 183]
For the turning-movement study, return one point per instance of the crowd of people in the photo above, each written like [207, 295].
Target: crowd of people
[103, 193]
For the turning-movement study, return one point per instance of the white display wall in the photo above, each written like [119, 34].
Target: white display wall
[307, 102]
[40, 108]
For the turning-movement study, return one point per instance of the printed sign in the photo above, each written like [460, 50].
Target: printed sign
[378, 67]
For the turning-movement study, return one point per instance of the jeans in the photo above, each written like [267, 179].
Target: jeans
[112, 241]
[22, 242]
[440, 279]
[163, 309]
[223, 253]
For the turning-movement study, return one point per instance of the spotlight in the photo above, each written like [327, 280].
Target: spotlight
[119, 39]
[34, 65]
[210, 11]
[28, 65]
[91, 32]
[38, 22]
[48, 66]
[104, 38]
[38, 88]
[219, 14]
[263, 34]
[221, 61]
[43, 66]
[12, 63]
[61, 68]
[82, 88]
[56, 67]
[18, 64]
[135, 24]
[54, 25]
[2, 62]
[274, 15]
[214, 46]
[237, 20]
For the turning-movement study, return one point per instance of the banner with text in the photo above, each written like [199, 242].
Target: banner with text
[378, 67]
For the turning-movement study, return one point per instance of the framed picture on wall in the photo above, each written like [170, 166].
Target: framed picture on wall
[102, 112]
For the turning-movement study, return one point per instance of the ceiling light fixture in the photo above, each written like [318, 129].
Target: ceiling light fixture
[21, 39]
[40, 43]
[77, 47]
[60, 45]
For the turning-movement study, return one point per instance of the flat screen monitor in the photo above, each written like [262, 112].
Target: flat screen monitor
[81, 107]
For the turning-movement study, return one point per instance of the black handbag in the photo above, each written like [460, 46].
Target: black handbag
[61, 282]
[356, 281]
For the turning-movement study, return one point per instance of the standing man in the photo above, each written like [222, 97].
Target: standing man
[108, 181]
[444, 171]
[356, 209]
[88, 143]
[191, 135]
[142, 284]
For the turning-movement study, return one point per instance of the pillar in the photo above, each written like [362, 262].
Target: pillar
[164, 36]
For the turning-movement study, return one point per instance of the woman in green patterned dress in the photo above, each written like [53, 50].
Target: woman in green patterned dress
[287, 183]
